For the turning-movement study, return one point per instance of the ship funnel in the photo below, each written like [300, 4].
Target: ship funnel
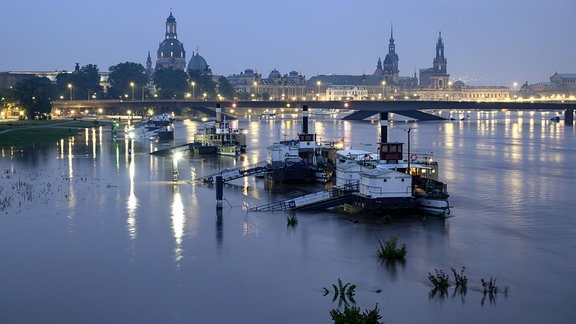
[383, 127]
[305, 119]
[218, 113]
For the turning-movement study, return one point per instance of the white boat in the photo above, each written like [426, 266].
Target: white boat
[159, 127]
[417, 174]
[431, 196]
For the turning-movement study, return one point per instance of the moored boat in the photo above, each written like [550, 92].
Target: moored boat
[159, 127]
[221, 136]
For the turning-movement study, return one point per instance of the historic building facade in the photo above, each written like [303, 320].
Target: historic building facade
[561, 86]
[275, 87]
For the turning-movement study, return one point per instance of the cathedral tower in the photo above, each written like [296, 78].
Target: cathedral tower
[390, 65]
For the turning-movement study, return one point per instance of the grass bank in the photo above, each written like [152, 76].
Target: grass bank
[24, 133]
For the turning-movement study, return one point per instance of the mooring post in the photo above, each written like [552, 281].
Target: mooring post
[219, 191]
[569, 117]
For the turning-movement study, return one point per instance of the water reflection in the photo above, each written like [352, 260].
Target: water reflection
[178, 223]
[132, 203]
[219, 228]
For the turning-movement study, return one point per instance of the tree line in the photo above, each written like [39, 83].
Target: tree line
[126, 81]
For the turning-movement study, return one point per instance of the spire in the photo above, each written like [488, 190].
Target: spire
[391, 46]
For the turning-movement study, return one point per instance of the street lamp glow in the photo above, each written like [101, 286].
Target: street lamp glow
[193, 88]
[132, 86]
[318, 83]
[70, 87]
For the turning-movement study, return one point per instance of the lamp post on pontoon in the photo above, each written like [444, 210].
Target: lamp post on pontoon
[384, 90]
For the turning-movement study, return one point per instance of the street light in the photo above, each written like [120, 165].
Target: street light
[384, 89]
[132, 86]
[70, 87]
[193, 89]
[318, 94]
[255, 90]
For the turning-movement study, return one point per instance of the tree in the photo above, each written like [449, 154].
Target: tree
[225, 88]
[171, 83]
[35, 95]
[126, 79]
[204, 84]
[81, 84]
[8, 101]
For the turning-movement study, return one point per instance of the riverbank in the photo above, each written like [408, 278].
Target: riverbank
[24, 133]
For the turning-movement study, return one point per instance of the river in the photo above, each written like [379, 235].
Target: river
[92, 234]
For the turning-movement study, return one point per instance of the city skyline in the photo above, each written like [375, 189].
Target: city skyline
[507, 43]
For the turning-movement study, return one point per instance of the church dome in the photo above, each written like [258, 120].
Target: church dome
[197, 63]
[171, 48]
[275, 74]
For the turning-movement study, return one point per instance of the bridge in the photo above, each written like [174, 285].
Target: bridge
[359, 109]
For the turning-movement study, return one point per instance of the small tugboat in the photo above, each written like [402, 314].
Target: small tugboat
[219, 137]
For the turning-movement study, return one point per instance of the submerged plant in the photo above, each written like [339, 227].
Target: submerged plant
[352, 315]
[389, 251]
[489, 286]
[439, 280]
[460, 279]
[344, 291]
[292, 220]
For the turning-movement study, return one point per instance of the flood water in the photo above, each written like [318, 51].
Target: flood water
[92, 234]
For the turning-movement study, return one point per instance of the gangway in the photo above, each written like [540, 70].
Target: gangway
[332, 197]
[171, 150]
[231, 174]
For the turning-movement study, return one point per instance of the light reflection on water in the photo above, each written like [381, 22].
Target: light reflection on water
[115, 240]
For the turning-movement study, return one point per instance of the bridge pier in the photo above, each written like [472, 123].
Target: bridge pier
[569, 117]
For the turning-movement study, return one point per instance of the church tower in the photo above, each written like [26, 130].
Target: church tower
[171, 52]
[390, 65]
[440, 62]
[436, 77]
[149, 71]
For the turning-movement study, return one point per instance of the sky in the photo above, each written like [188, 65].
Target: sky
[487, 42]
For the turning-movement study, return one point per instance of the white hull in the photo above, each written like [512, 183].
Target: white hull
[438, 206]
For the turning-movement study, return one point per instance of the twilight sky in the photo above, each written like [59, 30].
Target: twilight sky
[487, 42]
